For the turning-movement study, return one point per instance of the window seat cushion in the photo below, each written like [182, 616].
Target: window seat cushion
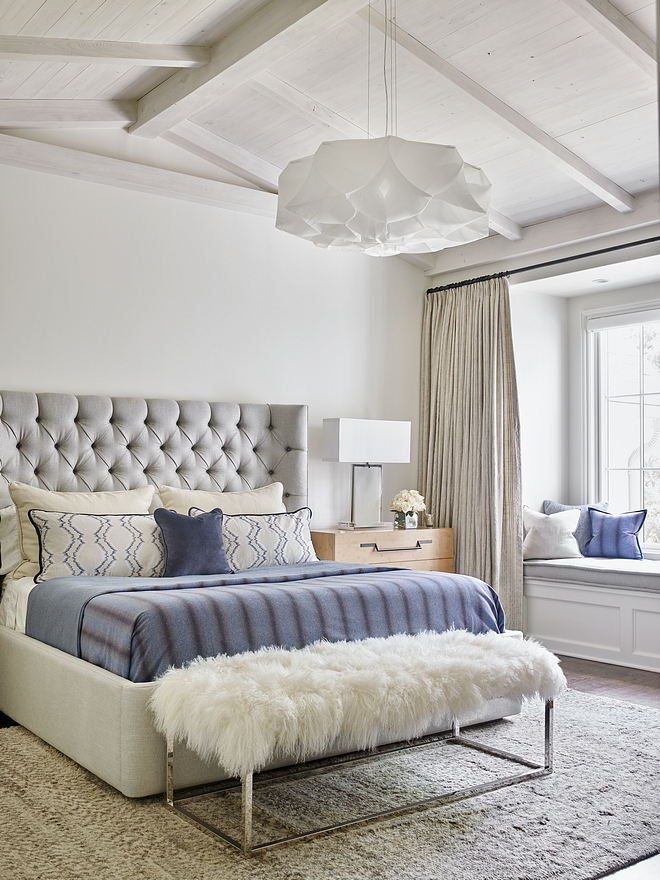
[627, 574]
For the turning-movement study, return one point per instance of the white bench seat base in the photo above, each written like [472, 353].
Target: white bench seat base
[596, 609]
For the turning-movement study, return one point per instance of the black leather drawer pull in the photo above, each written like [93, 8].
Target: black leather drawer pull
[378, 549]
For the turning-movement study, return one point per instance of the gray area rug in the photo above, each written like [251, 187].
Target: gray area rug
[599, 811]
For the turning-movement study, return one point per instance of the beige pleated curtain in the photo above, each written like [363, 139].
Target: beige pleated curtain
[470, 434]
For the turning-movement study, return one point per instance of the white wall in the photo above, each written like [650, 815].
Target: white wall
[108, 291]
[576, 306]
[539, 324]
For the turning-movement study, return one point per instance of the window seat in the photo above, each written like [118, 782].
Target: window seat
[596, 609]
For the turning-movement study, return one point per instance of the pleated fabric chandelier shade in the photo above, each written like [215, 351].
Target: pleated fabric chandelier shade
[384, 196]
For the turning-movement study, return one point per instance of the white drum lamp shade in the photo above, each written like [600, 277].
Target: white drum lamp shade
[366, 440]
[367, 444]
[384, 196]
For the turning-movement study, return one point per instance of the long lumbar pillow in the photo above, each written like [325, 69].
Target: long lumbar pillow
[86, 544]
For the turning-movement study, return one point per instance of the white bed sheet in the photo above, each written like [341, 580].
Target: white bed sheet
[13, 605]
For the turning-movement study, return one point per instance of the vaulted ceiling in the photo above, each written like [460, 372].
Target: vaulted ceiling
[209, 99]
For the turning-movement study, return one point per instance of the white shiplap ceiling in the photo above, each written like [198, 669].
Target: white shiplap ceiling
[209, 99]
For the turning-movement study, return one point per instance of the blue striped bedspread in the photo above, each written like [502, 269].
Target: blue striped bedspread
[139, 627]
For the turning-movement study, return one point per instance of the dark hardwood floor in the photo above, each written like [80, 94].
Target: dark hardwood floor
[618, 682]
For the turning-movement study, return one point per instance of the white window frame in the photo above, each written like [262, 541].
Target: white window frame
[592, 418]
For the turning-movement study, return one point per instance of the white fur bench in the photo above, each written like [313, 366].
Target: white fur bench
[597, 609]
[248, 709]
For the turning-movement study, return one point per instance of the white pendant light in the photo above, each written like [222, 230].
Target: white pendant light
[384, 196]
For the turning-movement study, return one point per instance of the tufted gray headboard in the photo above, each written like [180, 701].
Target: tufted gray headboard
[65, 442]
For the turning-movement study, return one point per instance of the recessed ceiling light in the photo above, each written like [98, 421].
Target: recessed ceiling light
[600, 280]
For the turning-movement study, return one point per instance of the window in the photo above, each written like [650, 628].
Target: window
[625, 443]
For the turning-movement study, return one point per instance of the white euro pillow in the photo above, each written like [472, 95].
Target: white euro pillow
[10, 550]
[550, 536]
[268, 499]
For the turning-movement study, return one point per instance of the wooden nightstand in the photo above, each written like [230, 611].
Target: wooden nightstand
[429, 549]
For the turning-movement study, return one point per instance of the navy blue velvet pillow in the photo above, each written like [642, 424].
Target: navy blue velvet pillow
[193, 544]
[615, 537]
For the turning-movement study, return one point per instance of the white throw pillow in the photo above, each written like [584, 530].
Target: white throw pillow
[254, 540]
[550, 537]
[86, 544]
[268, 499]
[10, 548]
[28, 498]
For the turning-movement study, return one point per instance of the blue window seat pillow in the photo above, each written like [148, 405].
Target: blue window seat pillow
[583, 531]
[193, 544]
[615, 536]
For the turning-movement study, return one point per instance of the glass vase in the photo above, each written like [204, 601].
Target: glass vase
[405, 520]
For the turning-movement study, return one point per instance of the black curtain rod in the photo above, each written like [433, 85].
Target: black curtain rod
[509, 272]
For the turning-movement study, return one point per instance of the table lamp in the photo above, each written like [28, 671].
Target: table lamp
[367, 444]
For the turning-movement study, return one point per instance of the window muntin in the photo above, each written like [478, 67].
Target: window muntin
[628, 402]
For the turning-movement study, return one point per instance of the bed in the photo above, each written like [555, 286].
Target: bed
[91, 444]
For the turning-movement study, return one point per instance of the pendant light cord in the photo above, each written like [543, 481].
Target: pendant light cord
[390, 70]
[385, 80]
[369, 74]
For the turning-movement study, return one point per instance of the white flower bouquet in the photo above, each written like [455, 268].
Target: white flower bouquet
[408, 501]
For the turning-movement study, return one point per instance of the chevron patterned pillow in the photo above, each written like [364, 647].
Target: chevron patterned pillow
[253, 540]
[116, 545]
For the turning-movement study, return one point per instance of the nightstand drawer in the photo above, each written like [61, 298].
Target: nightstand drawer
[431, 549]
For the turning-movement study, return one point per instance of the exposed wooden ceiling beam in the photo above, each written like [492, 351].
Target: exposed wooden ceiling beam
[33, 113]
[287, 96]
[419, 261]
[62, 161]
[620, 31]
[37, 49]
[273, 33]
[504, 226]
[583, 231]
[506, 117]
[203, 143]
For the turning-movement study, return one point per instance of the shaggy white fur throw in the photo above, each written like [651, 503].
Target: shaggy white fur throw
[245, 709]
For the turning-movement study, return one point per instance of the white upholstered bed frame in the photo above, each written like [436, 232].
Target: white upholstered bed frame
[63, 442]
